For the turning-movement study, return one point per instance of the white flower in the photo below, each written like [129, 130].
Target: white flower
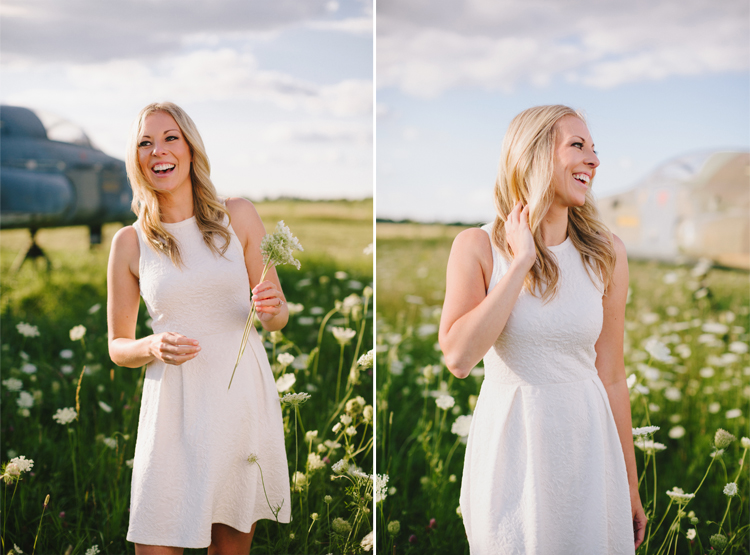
[25, 400]
[631, 380]
[93, 550]
[310, 435]
[445, 402]
[706, 372]
[657, 349]
[673, 394]
[23, 464]
[17, 550]
[649, 318]
[94, 309]
[285, 359]
[734, 413]
[730, 489]
[28, 368]
[110, 442]
[350, 302]
[691, 534]
[27, 330]
[679, 496]
[351, 431]
[646, 430]
[295, 399]
[341, 526]
[65, 416]
[299, 481]
[369, 249]
[677, 432]
[745, 441]
[340, 467]
[104, 406]
[277, 247]
[648, 445]
[367, 542]
[77, 333]
[285, 382]
[129, 463]
[332, 445]
[366, 360]
[66, 353]
[314, 462]
[66, 369]
[738, 347]
[13, 384]
[346, 419]
[336, 427]
[714, 327]
[343, 335]
[381, 487]
[462, 425]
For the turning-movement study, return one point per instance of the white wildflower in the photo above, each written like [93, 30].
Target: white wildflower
[104, 406]
[715, 327]
[658, 350]
[631, 380]
[706, 372]
[462, 425]
[730, 489]
[277, 247]
[299, 481]
[691, 534]
[295, 399]
[646, 430]
[679, 496]
[367, 359]
[77, 332]
[649, 445]
[110, 442]
[343, 335]
[340, 275]
[366, 542]
[445, 402]
[295, 308]
[23, 464]
[351, 431]
[673, 394]
[733, 413]
[649, 318]
[745, 441]
[129, 463]
[66, 353]
[336, 427]
[25, 400]
[381, 487]
[13, 384]
[677, 432]
[93, 550]
[314, 462]
[340, 467]
[341, 526]
[723, 439]
[369, 249]
[65, 416]
[66, 369]
[346, 419]
[94, 309]
[285, 382]
[27, 330]
[738, 347]
[285, 359]
[310, 435]
[28, 368]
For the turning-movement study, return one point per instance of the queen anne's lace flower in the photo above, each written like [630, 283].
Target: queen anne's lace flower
[277, 247]
[299, 481]
[679, 496]
[730, 489]
[343, 335]
[13, 384]
[723, 439]
[646, 430]
[367, 542]
[295, 399]
[65, 416]
[394, 527]
[285, 382]
[341, 526]
[93, 550]
[104, 406]
[285, 359]
[366, 360]
[462, 425]
[658, 350]
[340, 467]
[25, 400]
[314, 462]
[381, 487]
[745, 441]
[691, 534]
[27, 330]
[24, 464]
[649, 445]
[77, 333]
[445, 402]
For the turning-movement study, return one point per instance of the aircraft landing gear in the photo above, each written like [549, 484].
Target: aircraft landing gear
[33, 252]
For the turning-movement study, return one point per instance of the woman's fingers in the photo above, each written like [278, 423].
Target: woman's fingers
[175, 348]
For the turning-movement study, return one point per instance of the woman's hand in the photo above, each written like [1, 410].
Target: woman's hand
[639, 519]
[519, 235]
[173, 348]
[268, 300]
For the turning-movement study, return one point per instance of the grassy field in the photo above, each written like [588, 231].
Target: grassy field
[699, 314]
[83, 465]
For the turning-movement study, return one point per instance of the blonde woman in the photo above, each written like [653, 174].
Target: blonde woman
[195, 261]
[540, 294]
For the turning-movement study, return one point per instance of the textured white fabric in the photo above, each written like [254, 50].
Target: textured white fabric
[544, 471]
[194, 436]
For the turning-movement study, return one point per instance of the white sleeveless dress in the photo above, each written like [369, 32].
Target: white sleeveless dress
[194, 436]
[544, 471]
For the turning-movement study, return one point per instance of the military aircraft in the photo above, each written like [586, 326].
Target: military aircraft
[52, 176]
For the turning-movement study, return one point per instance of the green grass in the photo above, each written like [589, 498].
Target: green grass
[89, 482]
[424, 460]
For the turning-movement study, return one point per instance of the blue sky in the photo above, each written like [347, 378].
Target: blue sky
[281, 91]
[656, 80]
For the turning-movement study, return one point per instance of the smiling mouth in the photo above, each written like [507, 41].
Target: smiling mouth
[162, 169]
[582, 178]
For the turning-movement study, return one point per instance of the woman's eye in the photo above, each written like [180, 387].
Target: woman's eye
[172, 138]
[577, 145]
[144, 143]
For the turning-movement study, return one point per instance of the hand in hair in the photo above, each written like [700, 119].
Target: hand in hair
[519, 235]
[173, 348]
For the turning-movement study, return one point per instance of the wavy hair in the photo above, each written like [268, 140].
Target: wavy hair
[209, 211]
[525, 174]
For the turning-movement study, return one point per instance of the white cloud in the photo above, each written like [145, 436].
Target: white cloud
[351, 25]
[425, 48]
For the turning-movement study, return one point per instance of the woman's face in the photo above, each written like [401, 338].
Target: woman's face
[164, 154]
[575, 162]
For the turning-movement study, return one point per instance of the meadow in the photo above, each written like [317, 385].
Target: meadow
[686, 355]
[50, 364]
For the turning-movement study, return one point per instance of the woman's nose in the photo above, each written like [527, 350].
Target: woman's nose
[593, 160]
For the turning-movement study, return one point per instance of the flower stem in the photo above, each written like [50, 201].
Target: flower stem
[46, 501]
[338, 379]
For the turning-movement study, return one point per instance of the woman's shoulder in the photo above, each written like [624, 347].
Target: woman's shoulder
[473, 246]
[125, 248]
[245, 220]
[241, 208]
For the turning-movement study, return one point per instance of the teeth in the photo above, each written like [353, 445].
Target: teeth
[162, 167]
[582, 176]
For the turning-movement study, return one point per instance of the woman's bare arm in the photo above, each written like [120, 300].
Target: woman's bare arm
[248, 227]
[611, 368]
[123, 297]
[472, 320]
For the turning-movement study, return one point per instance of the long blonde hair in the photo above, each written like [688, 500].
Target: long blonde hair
[525, 174]
[209, 211]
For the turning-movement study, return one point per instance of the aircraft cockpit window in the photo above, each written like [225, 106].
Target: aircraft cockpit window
[59, 129]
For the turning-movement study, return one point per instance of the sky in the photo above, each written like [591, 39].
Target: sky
[282, 91]
[656, 79]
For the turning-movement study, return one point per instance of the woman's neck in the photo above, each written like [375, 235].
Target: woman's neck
[176, 207]
[555, 226]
